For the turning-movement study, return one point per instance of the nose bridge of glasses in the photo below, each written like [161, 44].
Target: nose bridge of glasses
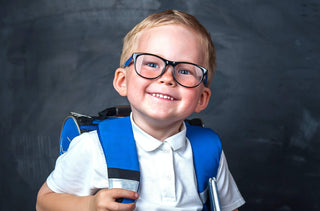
[168, 75]
[167, 66]
[171, 63]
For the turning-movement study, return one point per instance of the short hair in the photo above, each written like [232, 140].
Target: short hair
[172, 17]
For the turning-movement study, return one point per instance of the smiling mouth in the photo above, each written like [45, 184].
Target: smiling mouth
[166, 97]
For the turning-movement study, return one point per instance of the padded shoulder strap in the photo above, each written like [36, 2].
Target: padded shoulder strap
[120, 151]
[206, 148]
[117, 140]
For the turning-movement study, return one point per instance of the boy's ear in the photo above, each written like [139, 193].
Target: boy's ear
[203, 100]
[119, 81]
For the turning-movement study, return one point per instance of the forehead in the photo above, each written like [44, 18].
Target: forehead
[173, 42]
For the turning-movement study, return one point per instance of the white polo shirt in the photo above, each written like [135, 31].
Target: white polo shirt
[167, 181]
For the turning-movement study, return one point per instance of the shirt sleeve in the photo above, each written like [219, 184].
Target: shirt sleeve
[82, 170]
[229, 195]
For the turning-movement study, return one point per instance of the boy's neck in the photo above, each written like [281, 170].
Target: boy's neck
[160, 130]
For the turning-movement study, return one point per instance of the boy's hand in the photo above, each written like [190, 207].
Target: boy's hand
[105, 199]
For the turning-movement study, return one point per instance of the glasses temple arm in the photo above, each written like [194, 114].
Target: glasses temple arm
[205, 79]
[127, 62]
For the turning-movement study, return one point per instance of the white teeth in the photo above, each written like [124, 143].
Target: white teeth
[162, 96]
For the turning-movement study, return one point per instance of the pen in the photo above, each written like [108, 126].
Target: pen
[213, 194]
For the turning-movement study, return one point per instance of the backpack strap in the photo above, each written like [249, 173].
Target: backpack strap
[206, 149]
[117, 140]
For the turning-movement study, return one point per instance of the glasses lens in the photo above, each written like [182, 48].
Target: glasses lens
[188, 75]
[149, 66]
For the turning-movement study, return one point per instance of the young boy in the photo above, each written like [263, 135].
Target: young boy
[167, 65]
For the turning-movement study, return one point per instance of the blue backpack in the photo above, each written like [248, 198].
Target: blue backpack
[113, 124]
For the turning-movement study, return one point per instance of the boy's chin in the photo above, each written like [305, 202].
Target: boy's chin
[163, 119]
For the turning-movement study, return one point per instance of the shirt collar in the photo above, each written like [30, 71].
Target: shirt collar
[149, 143]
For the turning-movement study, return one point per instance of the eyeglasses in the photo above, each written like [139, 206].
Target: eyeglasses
[151, 66]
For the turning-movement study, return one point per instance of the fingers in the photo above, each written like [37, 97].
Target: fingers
[105, 199]
[118, 193]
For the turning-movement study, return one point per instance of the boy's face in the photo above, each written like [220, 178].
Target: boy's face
[162, 101]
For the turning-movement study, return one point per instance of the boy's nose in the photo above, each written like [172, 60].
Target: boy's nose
[167, 77]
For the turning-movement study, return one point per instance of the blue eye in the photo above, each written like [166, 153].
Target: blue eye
[184, 72]
[154, 65]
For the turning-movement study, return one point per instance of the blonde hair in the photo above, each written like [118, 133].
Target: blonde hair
[172, 17]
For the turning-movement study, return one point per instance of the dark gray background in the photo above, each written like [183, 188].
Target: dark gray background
[59, 56]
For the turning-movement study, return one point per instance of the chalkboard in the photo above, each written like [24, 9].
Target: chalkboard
[60, 56]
